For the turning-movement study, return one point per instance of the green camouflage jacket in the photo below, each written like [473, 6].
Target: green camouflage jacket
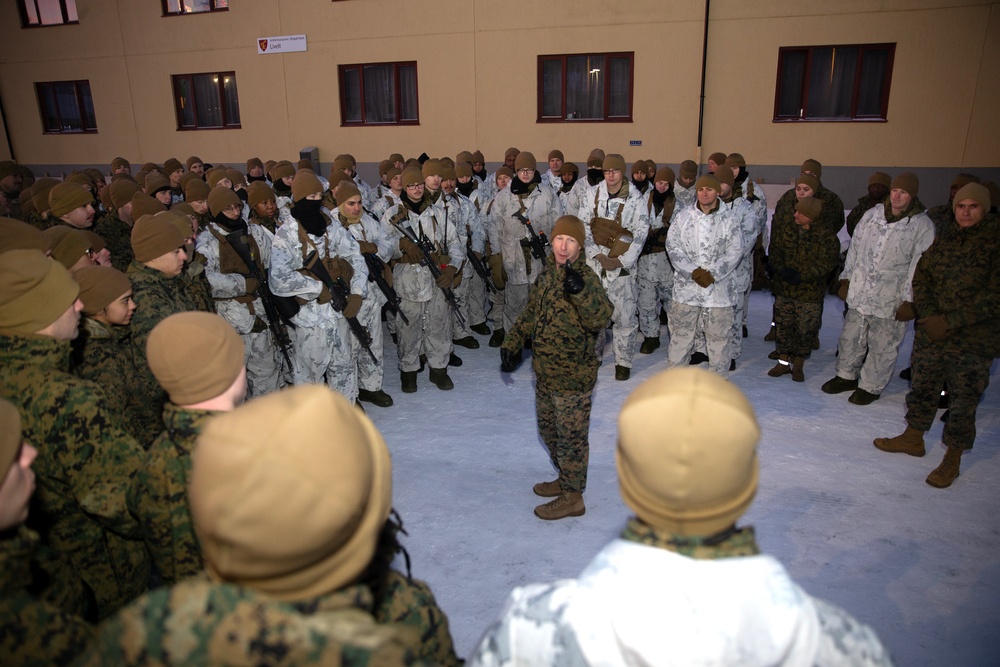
[33, 631]
[813, 255]
[959, 277]
[830, 221]
[103, 355]
[118, 236]
[198, 622]
[86, 462]
[410, 602]
[741, 542]
[157, 296]
[563, 329]
[158, 496]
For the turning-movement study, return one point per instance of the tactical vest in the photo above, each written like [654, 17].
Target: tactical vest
[337, 267]
[607, 232]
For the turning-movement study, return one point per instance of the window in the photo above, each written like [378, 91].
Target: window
[585, 87]
[178, 7]
[833, 83]
[66, 107]
[206, 101]
[37, 13]
[379, 94]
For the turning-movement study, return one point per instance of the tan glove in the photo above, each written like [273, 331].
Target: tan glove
[906, 312]
[702, 277]
[252, 285]
[367, 248]
[608, 263]
[845, 285]
[353, 306]
[496, 269]
[447, 276]
[410, 251]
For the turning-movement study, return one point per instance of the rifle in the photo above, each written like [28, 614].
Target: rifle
[338, 293]
[538, 241]
[376, 268]
[427, 247]
[274, 319]
[480, 269]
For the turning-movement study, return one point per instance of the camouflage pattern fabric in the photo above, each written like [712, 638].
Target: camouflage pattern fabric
[829, 222]
[542, 207]
[86, 461]
[696, 325]
[32, 631]
[813, 255]
[198, 622]
[270, 223]
[104, 355]
[158, 496]
[37, 221]
[118, 237]
[563, 330]
[797, 324]
[410, 602]
[942, 216]
[564, 424]
[685, 196]
[157, 296]
[741, 542]
[868, 347]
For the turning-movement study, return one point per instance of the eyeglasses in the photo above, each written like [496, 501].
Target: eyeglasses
[525, 171]
[415, 186]
[233, 208]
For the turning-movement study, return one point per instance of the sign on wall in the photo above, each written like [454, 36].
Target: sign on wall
[281, 44]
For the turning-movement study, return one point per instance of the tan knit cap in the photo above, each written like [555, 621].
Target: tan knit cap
[40, 193]
[503, 170]
[67, 197]
[908, 182]
[463, 156]
[196, 190]
[809, 207]
[463, 169]
[220, 197]
[171, 165]
[412, 176]
[194, 356]
[155, 235]
[664, 174]
[432, 167]
[808, 179]
[525, 160]
[813, 166]
[304, 184]
[347, 191]
[725, 176]
[122, 190]
[736, 160]
[510, 151]
[17, 235]
[708, 181]
[976, 192]
[281, 169]
[194, 159]
[569, 168]
[10, 435]
[556, 154]
[214, 175]
[477, 156]
[396, 157]
[689, 169]
[120, 162]
[614, 161]
[569, 225]
[718, 158]
[67, 244]
[258, 192]
[155, 182]
[342, 162]
[143, 204]
[99, 286]
[699, 476]
[289, 493]
[881, 178]
[254, 162]
[34, 291]
[384, 166]
[639, 167]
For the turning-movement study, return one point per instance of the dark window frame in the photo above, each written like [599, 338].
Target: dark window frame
[212, 10]
[607, 118]
[802, 117]
[178, 108]
[25, 23]
[45, 88]
[397, 93]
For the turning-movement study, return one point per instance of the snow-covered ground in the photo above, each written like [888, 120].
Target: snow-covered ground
[853, 525]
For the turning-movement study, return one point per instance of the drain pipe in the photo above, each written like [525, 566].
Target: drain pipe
[6, 130]
[704, 65]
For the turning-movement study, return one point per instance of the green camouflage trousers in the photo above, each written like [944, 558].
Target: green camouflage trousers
[967, 375]
[564, 424]
[797, 324]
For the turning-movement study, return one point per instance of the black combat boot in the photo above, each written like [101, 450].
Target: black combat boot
[408, 379]
[439, 377]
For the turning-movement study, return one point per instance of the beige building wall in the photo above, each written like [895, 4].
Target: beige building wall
[477, 78]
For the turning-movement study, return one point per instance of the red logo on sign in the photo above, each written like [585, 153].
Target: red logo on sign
[263, 44]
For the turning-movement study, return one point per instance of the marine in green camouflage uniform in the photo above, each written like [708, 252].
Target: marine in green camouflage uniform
[117, 235]
[199, 622]
[563, 329]
[34, 631]
[157, 296]
[158, 496]
[103, 354]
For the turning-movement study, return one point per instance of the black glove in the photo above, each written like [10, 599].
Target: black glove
[790, 276]
[573, 282]
[509, 360]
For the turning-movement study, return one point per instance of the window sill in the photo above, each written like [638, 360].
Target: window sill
[829, 120]
[218, 127]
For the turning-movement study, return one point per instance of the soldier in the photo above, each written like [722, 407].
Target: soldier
[569, 174]
[567, 310]
[501, 180]
[263, 206]
[174, 171]
[255, 171]
[72, 205]
[35, 631]
[878, 190]
[510, 158]
[116, 226]
[86, 459]
[640, 179]
[944, 213]
[487, 181]
[346, 164]
[277, 594]
[70, 247]
[510, 235]
[583, 189]
[798, 269]
[716, 161]
[11, 184]
[159, 290]
[553, 177]
[198, 360]
[120, 166]
[423, 296]
[612, 213]
[468, 193]
[955, 291]
[682, 584]
[876, 284]
[103, 351]
[196, 165]
[196, 193]
[158, 187]
[372, 239]
[655, 275]
[687, 173]
[391, 194]
[236, 290]
[40, 217]
[325, 349]
[705, 246]
[469, 289]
